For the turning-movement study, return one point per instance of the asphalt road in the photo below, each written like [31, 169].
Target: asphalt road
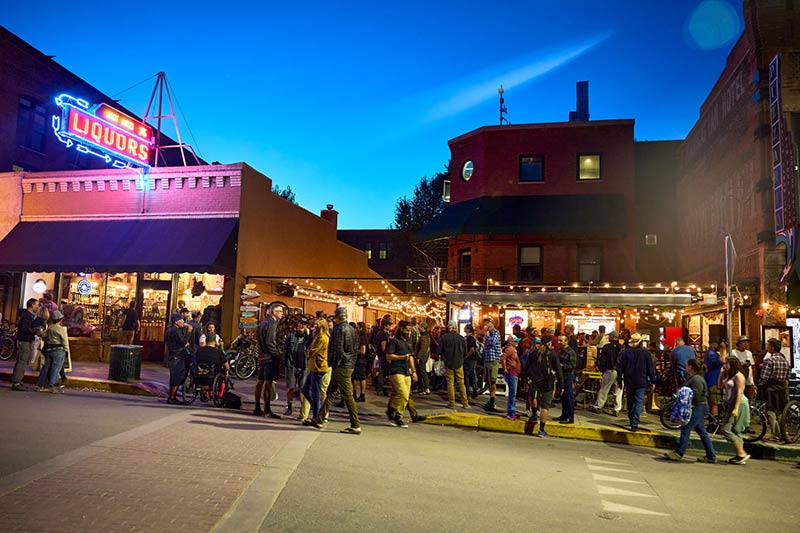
[424, 478]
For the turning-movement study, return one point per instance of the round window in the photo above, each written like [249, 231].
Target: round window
[466, 171]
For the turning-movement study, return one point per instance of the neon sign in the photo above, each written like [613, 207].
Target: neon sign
[104, 132]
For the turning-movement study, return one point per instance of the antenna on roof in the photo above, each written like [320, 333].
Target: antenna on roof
[503, 110]
[161, 87]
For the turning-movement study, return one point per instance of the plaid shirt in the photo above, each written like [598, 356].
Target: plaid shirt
[775, 371]
[491, 346]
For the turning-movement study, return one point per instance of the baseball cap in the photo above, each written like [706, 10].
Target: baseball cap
[175, 317]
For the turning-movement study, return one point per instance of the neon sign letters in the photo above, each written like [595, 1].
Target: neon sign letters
[104, 132]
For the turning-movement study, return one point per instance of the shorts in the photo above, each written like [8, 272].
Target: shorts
[360, 372]
[492, 367]
[269, 370]
[544, 398]
[714, 395]
[295, 377]
[177, 370]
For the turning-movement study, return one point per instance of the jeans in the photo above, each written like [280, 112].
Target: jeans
[609, 384]
[424, 378]
[341, 379]
[635, 404]
[401, 391]
[511, 383]
[53, 361]
[455, 378]
[24, 356]
[305, 405]
[568, 397]
[470, 377]
[697, 423]
[312, 389]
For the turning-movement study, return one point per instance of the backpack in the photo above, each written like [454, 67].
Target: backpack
[231, 400]
[681, 410]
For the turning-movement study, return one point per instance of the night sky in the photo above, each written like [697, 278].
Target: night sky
[351, 103]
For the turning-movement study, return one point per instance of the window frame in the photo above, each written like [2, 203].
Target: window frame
[521, 265]
[578, 157]
[383, 250]
[519, 168]
[599, 264]
[25, 139]
[368, 249]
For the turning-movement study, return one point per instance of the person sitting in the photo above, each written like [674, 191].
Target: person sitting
[211, 355]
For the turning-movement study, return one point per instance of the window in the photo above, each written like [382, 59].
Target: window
[466, 171]
[464, 265]
[368, 250]
[589, 166]
[531, 168]
[530, 263]
[383, 250]
[31, 124]
[589, 263]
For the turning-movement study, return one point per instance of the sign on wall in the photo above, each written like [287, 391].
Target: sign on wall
[104, 132]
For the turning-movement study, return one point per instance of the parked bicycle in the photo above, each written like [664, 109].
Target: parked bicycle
[754, 433]
[790, 422]
[243, 357]
[8, 341]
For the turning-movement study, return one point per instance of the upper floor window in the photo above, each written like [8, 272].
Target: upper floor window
[531, 168]
[31, 124]
[589, 167]
[383, 250]
[368, 250]
[530, 263]
[466, 170]
[590, 259]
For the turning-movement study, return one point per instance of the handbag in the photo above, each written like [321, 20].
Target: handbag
[429, 365]
[439, 369]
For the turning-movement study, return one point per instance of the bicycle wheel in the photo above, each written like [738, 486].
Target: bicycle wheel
[188, 390]
[246, 366]
[665, 421]
[217, 389]
[7, 348]
[758, 425]
[790, 422]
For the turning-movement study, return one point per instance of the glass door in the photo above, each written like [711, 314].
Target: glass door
[153, 298]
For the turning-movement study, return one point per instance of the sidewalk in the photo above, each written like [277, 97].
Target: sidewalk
[587, 426]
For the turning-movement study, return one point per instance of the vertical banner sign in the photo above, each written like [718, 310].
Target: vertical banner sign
[103, 132]
[784, 186]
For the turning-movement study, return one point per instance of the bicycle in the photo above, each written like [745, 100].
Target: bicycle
[8, 342]
[243, 357]
[754, 432]
[790, 422]
[202, 382]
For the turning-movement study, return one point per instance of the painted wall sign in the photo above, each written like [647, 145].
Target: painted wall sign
[85, 287]
[104, 132]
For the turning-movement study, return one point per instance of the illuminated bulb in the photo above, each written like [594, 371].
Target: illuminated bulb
[713, 286]
[658, 285]
[746, 297]
[624, 287]
[607, 285]
[527, 289]
[765, 305]
[641, 286]
[544, 290]
[575, 285]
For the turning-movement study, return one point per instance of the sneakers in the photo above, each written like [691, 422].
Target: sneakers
[399, 422]
[258, 412]
[18, 386]
[360, 399]
[564, 421]
[489, 406]
[288, 411]
[308, 422]
[351, 431]
[673, 456]
[270, 414]
[709, 460]
[542, 434]
[451, 406]
[614, 412]
[465, 406]
[593, 409]
[511, 417]
[317, 424]
[173, 401]
[739, 460]
[55, 390]
[42, 389]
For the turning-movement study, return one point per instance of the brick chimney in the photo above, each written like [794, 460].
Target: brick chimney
[330, 215]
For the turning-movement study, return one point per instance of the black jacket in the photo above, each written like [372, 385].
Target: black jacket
[267, 336]
[453, 349]
[544, 374]
[568, 359]
[25, 331]
[609, 355]
[294, 348]
[343, 347]
[176, 340]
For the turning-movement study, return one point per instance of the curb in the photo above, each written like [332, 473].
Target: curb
[105, 385]
[612, 435]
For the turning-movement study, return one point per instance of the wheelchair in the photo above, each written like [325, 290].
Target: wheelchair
[206, 382]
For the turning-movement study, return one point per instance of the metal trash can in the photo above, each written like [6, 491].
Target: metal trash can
[125, 362]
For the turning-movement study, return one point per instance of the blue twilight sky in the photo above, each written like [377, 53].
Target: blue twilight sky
[351, 102]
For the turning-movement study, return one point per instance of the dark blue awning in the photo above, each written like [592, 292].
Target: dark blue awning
[140, 245]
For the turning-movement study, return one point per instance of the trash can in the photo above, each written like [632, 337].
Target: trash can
[125, 362]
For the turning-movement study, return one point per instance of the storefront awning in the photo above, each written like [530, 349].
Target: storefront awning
[563, 214]
[571, 299]
[142, 245]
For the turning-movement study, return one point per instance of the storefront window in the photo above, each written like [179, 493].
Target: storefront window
[120, 291]
[82, 298]
[154, 313]
[200, 291]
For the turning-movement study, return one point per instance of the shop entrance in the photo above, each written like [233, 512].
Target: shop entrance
[153, 299]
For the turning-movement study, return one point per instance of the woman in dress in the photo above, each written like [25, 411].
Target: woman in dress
[737, 417]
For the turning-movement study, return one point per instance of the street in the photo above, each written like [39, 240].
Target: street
[87, 461]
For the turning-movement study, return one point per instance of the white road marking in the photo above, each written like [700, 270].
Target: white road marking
[600, 462]
[611, 491]
[612, 507]
[599, 468]
[601, 477]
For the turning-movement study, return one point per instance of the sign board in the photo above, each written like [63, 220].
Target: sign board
[248, 294]
[248, 308]
[248, 325]
[247, 314]
[84, 287]
[515, 317]
[248, 319]
[104, 132]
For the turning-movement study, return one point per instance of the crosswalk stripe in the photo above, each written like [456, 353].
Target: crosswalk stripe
[612, 491]
[599, 468]
[601, 462]
[601, 477]
[620, 508]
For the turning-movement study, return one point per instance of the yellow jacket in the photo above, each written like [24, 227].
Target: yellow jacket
[318, 354]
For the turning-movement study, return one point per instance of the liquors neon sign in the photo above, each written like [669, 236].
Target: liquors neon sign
[104, 132]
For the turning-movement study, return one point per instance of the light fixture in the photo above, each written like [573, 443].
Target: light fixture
[39, 286]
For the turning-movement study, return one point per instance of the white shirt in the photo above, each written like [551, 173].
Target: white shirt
[746, 356]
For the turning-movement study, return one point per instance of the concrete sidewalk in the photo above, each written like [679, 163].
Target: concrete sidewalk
[588, 426]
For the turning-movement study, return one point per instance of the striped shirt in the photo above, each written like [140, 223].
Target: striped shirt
[491, 346]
